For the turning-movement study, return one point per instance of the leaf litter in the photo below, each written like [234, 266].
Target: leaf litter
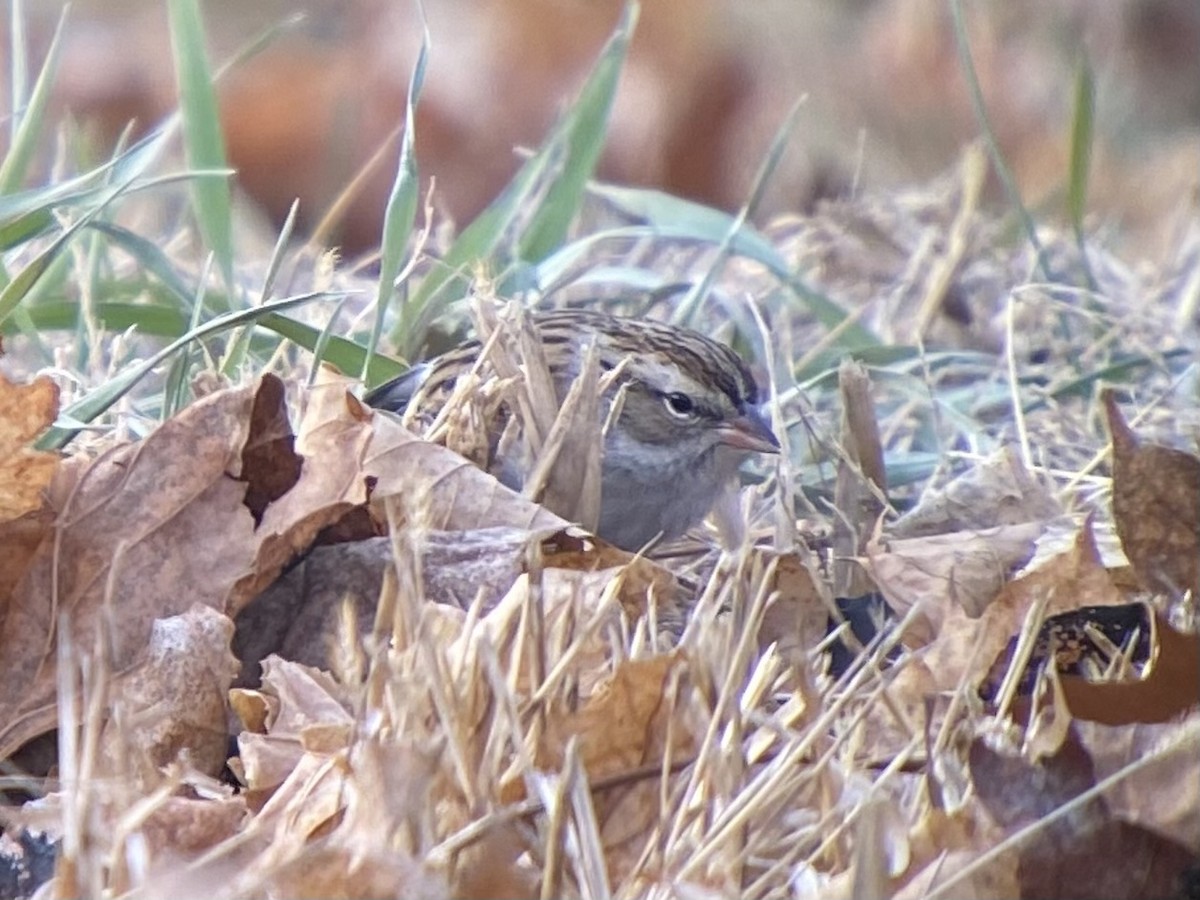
[447, 689]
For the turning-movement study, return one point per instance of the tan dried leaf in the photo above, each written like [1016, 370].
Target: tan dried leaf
[998, 491]
[1150, 797]
[952, 571]
[1156, 505]
[797, 617]
[25, 412]
[171, 701]
[1067, 581]
[151, 528]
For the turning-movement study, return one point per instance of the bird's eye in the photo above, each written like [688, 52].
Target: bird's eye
[679, 405]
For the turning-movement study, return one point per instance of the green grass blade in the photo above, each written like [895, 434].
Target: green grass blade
[102, 398]
[401, 211]
[967, 63]
[28, 213]
[152, 319]
[1082, 137]
[204, 145]
[481, 241]
[28, 121]
[582, 135]
[150, 258]
[345, 354]
[25, 280]
[18, 70]
[279, 252]
[175, 388]
[685, 310]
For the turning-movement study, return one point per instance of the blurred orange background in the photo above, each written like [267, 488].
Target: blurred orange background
[707, 84]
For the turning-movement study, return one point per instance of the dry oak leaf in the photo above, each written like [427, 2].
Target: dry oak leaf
[963, 571]
[173, 698]
[1165, 759]
[296, 706]
[25, 475]
[1086, 853]
[1156, 505]
[1168, 687]
[149, 529]
[383, 460]
[1070, 580]
[998, 491]
[25, 412]
[622, 727]
[796, 617]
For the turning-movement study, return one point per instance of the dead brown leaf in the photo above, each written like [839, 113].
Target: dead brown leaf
[25, 474]
[641, 579]
[965, 570]
[998, 491]
[1151, 797]
[1156, 506]
[25, 412]
[1169, 687]
[348, 873]
[301, 705]
[172, 699]
[621, 727]
[1085, 853]
[150, 528]
[796, 619]
[1064, 582]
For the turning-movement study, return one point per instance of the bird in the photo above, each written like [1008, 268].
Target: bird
[690, 412]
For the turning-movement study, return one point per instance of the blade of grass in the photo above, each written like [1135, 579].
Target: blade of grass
[152, 319]
[967, 63]
[341, 352]
[1082, 137]
[482, 239]
[204, 146]
[29, 213]
[150, 258]
[401, 211]
[18, 70]
[98, 401]
[238, 348]
[174, 391]
[28, 116]
[25, 280]
[685, 310]
[582, 136]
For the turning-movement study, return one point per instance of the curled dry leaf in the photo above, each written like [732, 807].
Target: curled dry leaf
[963, 571]
[998, 491]
[171, 701]
[1085, 853]
[150, 528]
[302, 705]
[372, 456]
[25, 474]
[1156, 505]
[1167, 688]
[1064, 582]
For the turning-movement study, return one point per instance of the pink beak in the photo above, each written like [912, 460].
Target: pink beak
[749, 431]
